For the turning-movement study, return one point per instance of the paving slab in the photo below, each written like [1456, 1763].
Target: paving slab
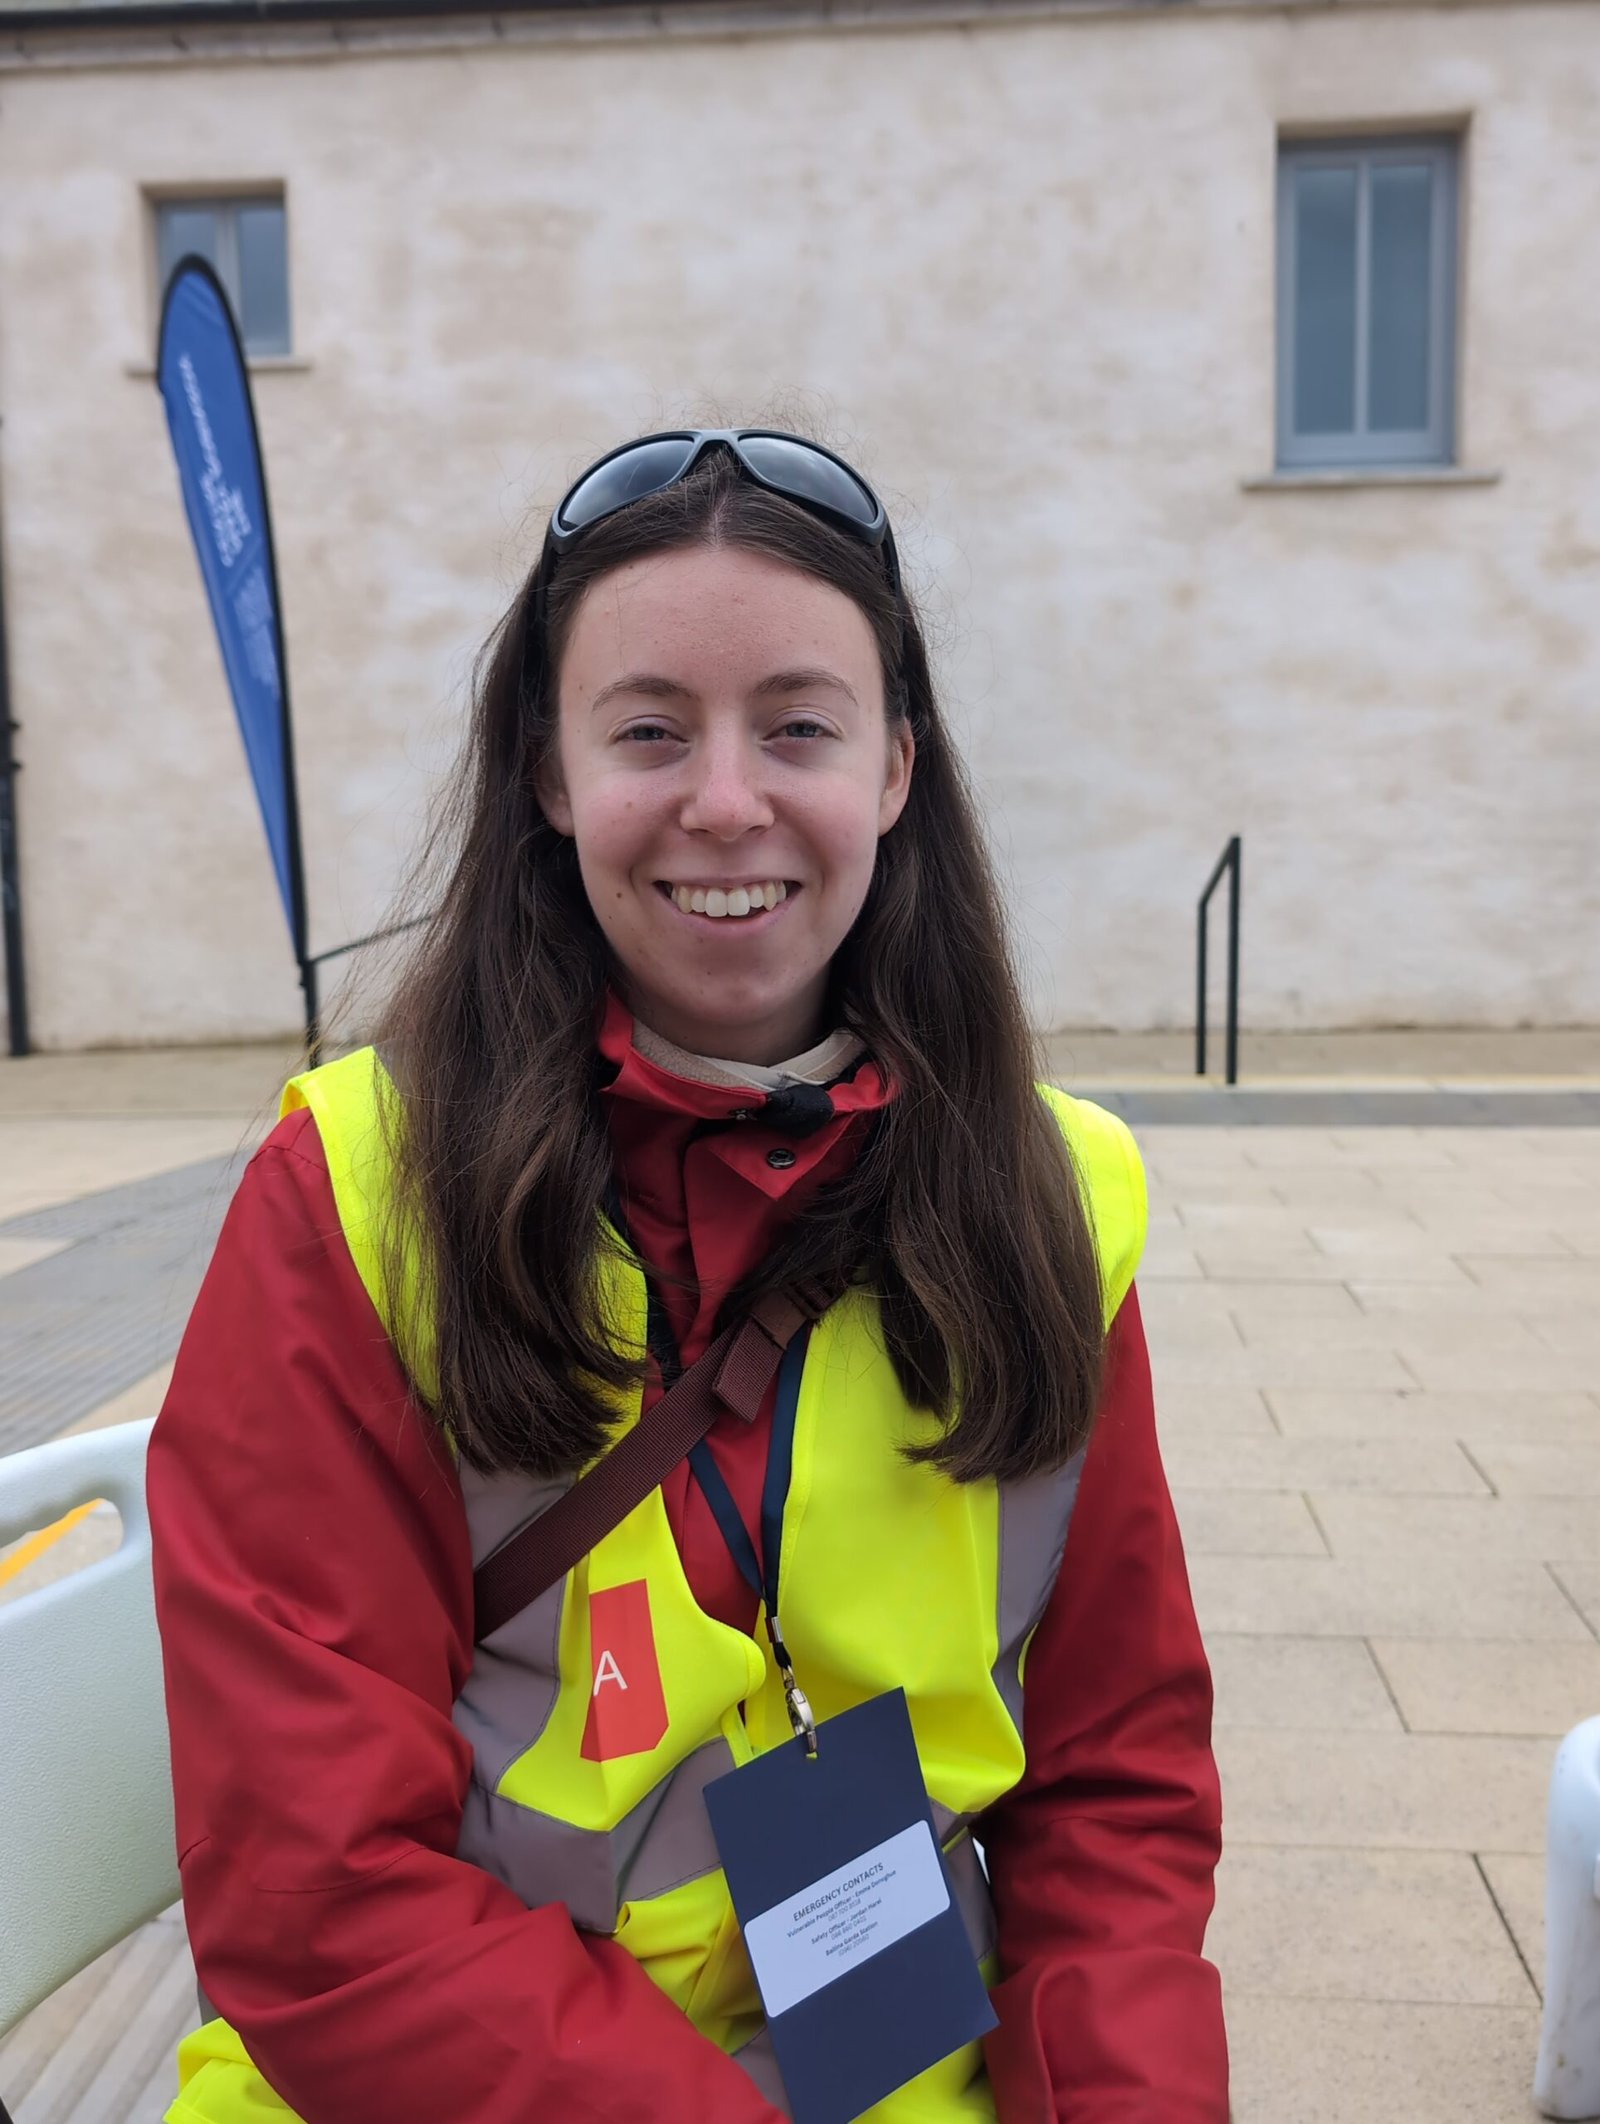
[1517, 1883]
[1187, 1411]
[1322, 2061]
[1535, 1690]
[1573, 1332]
[1581, 1584]
[1288, 1367]
[1542, 1529]
[1397, 1467]
[1255, 1523]
[1511, 1414]
[1454, 1596]
[240, 1081]
[1300, 1684]
[1537, 1467]
[1478, 1365]
[1509, 1280]
[1462, 1299]
[46, 1162]
[1407, 1926]
[1384, 1791]
[1240, 1261]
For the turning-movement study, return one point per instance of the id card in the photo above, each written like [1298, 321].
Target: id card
[863, 1961]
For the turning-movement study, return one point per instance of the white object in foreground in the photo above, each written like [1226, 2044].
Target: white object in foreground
[86, 1840]
[1566, 2080]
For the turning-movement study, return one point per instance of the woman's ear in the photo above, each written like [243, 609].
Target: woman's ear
[902, 752]
[551, 791]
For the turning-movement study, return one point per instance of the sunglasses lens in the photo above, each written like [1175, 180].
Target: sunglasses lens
[645, 469]
[797, 469]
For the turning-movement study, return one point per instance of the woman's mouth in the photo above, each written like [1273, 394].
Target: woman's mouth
[728, 903]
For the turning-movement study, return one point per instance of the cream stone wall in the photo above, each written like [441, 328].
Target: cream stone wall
[1024, 269]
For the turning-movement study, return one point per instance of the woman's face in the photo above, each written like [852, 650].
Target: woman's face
[722, 733]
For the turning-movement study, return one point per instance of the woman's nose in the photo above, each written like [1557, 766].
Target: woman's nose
[727, 796]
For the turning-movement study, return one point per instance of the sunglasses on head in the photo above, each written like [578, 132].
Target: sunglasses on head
[789, 465]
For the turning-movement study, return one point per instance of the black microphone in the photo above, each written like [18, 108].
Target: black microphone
[798, 1109]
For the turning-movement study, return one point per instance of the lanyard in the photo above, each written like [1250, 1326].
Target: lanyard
[760, 1574]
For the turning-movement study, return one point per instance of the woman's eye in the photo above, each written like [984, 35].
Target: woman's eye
[646, 733]
[805, 726]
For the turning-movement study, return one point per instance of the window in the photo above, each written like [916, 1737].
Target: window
[244, 239]
[1366, 302]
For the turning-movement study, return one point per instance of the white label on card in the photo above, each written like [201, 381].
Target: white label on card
[841, 1921]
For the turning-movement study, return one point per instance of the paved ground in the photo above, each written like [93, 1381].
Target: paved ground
[1377, 1355]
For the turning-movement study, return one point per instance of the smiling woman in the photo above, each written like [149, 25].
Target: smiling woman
[713, 1051]
[750, 765]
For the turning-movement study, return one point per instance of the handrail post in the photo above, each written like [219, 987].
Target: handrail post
[1200, 988]
[1235, 891]
[1231, 863]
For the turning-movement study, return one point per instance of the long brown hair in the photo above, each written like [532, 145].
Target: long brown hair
[962, 1210]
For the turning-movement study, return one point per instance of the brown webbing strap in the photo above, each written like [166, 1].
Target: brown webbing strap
[731, 1377]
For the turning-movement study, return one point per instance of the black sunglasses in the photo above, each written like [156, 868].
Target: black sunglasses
[789, 465]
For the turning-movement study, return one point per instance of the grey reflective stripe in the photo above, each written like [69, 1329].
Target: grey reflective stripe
[657, 1846]
[505, 1705]
[969, 1884]
[516, 1674]
[1034, 1518]
[757, 2059]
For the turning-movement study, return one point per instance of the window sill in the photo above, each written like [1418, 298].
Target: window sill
[257, 364]
[1299, 481]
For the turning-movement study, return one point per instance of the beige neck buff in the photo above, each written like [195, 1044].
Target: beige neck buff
[818, 1065]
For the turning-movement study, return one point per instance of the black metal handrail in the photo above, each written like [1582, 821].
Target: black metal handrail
[314, 960]
[1230, 863]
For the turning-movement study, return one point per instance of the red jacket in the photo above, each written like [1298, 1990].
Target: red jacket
[314, 1591]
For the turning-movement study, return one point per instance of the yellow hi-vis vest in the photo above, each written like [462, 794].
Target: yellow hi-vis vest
[893, 1577]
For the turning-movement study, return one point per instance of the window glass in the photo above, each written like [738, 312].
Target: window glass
[185, 229]
[263, 278]
[1402, 281]
[1325, 203]
[1367, 301]
[244, 241]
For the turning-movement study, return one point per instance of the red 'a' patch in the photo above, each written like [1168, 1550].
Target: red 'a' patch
[627, 1710]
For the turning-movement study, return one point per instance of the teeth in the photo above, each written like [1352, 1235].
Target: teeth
[740, 900]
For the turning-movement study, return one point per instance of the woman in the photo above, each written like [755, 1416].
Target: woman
[717, 1002]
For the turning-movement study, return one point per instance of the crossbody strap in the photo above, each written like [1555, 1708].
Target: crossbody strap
[731, 1378]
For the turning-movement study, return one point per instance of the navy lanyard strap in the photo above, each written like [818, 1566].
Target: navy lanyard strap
[759, 1574]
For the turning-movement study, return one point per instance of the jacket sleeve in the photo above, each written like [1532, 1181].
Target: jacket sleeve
[1102, 1857]
[313, 1588]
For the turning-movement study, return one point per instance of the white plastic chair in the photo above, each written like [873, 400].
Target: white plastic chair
[87, 1850]
[1566, 2079]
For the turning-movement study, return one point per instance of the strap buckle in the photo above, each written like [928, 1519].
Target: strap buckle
[794, 1697]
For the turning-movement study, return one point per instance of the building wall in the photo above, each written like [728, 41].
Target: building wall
[1023, 269]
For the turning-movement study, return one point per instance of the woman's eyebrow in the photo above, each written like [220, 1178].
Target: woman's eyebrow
[654, 686]
[649, 683]
[798, 681]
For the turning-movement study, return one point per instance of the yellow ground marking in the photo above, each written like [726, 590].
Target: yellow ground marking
[36, 1544]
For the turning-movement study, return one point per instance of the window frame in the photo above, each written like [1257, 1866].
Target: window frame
[1435, 444]
[225, 207]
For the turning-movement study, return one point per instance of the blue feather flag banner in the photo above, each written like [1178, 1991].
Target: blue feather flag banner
[205, 386]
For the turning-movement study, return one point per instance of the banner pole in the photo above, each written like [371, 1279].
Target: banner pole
[10, 868]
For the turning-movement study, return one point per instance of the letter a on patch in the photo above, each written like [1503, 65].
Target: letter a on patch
[627, 1708]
